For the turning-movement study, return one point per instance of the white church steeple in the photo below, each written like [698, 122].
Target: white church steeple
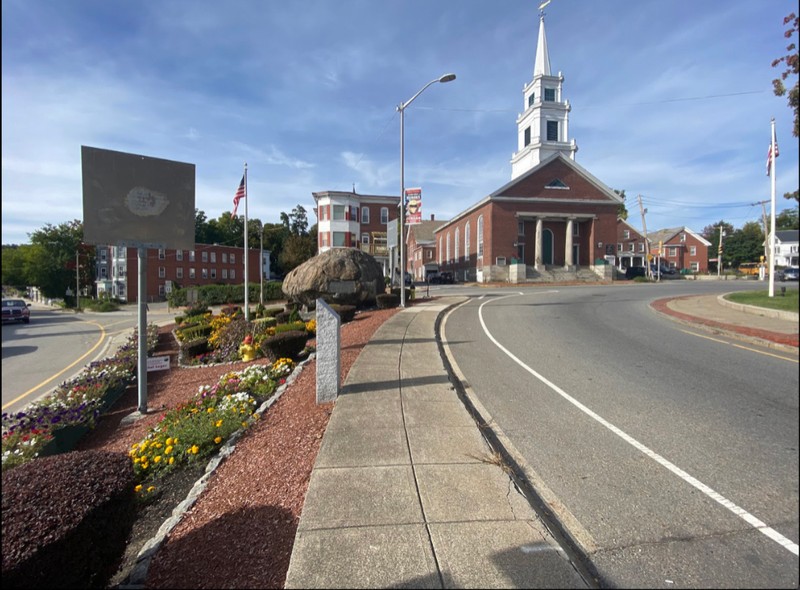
[543, 127]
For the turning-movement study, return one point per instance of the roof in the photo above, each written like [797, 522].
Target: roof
[787, 235]
[664, 235]
[423, 231]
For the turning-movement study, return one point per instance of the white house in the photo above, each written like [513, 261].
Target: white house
[786, 247]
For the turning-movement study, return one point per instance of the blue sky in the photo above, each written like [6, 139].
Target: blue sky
[670, 100]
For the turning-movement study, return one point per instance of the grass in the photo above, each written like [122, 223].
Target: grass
[787, 302]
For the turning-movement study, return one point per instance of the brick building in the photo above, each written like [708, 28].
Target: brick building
[421, 252]
[208, 264]
[682, 249]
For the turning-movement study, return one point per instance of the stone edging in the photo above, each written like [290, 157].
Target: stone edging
[138, 573]
[756, 310]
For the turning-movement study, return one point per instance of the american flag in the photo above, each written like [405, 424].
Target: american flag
[769, 155]
[239, 195]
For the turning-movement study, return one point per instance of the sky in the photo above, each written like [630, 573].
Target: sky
[670, 100]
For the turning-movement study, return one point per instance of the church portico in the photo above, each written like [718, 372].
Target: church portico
[572, 230]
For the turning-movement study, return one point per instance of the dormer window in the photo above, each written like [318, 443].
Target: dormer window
[556, 183]
[549, 94]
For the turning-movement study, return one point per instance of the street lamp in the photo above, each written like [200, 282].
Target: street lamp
[401, 108]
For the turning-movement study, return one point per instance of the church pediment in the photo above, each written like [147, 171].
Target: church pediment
[558, 179]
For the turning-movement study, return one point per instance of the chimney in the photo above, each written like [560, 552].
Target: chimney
[432, 219]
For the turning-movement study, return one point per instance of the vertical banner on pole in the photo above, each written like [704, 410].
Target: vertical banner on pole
[413, 203]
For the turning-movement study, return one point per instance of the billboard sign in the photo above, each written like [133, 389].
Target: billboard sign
[137, 201]
[413, 206]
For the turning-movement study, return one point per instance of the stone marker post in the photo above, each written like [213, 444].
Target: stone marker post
[328, 353]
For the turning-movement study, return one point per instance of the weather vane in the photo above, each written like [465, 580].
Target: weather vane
[542, 6]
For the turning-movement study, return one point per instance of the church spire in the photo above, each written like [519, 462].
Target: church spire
[542, 65]
[543, 127]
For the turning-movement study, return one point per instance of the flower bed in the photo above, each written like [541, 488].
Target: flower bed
[55, 423]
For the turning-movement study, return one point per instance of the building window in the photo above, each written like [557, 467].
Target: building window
[233, 274]
[338, 212]
[224, 273]
[364, 214]
[161, 254]
[673, 251]
[384, 215]
[683, 237]
[527, 136]
[531, 99]
[631, 247]
[466, 241]
[233, 258]
[552, 131]
[576, 228]
[161, 289]
[693, 250]
[213, 273]
[204, 256]
[626, 234]
[695, 266]
[103, 255]
[191, 255]
[641, 246]
[480, 237]
[457, 244]
[353, 213]
[224, 258]
[550, 94]
[213, 258]
[204, 273]
[179, 272]
[192, 274]
[520, 228]
[179, 255]
[162, 272]
[339, 239]
[619, 247]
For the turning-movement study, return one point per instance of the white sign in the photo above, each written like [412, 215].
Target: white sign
[157, 363]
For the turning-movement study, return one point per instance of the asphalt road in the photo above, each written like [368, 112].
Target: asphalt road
[671, 459]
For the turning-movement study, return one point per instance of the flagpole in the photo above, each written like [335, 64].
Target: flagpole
[772, 213]
[246, 253]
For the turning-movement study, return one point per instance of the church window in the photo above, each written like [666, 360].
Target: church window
[552, 131]
[457, 244]
[531, 99]
[527, 135]
[550, 94]
[480, 236]
[466, 241]
[556, 183]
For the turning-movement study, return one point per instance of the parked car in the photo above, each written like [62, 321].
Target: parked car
[441, 278]
[635, 271]
[789, 274]
[16, 310]
[665, 270]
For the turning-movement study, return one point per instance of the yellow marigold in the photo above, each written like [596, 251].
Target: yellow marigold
[151, 489]
[170, 442]
[144, 464]
[157, 459]
[244, 424]
[218, 423]
[171, 460]
[195, 449]
[210, 410]
[168, 450]
[218, 439]
[138, 488]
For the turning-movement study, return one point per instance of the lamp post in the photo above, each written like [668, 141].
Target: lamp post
[401, 108]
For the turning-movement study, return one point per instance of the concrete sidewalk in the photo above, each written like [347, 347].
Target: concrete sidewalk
[405, 491]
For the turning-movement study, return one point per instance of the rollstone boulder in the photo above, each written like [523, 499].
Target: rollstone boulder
[339, 275]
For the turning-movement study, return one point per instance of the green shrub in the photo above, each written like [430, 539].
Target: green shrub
[299, 326]
[285, 345]
[387, 300]
[346, 312]
[193, 348]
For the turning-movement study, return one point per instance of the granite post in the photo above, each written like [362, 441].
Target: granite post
[328, 353]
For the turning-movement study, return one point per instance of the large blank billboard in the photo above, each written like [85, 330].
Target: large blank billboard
[137, 201]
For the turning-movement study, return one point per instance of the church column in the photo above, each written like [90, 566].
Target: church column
[538, 260]
[568, 262]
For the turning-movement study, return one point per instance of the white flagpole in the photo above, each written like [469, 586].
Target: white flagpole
[246, 253]
[772, 214]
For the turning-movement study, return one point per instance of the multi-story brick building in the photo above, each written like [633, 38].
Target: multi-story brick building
[350, 220]
[631, 246]
[680, 248]
[421, 254]
[208, 264]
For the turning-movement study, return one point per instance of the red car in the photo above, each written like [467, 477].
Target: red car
[16, 310]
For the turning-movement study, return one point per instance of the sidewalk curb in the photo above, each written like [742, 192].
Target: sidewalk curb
[755, 310]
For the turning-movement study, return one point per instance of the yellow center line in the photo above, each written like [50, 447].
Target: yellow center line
[67, 368]
[777, 356]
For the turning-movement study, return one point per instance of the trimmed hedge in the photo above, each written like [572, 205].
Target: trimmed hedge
[222, 294]
[387, 300]
[284, 345]
[66, 519]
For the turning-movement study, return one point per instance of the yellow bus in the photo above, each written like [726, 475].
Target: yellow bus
[751, 268]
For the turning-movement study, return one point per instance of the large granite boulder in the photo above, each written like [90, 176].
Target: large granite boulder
[339, 275]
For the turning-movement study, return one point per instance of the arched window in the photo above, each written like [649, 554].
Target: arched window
[440, 250]
[448, 259]
[480, 236]
[466, 242]
[457, 243]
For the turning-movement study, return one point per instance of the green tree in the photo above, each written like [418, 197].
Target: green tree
[787, 219]
[296, 250]
[792, 67]
[55, 250]
[622, 210]
[712, 233]
[14, 264]
[744, 245]
[298, 221]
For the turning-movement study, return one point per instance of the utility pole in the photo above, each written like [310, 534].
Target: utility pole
[642, 210]
[78, 279]
[719, 250]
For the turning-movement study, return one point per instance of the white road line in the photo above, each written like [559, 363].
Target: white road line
[719, 498]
